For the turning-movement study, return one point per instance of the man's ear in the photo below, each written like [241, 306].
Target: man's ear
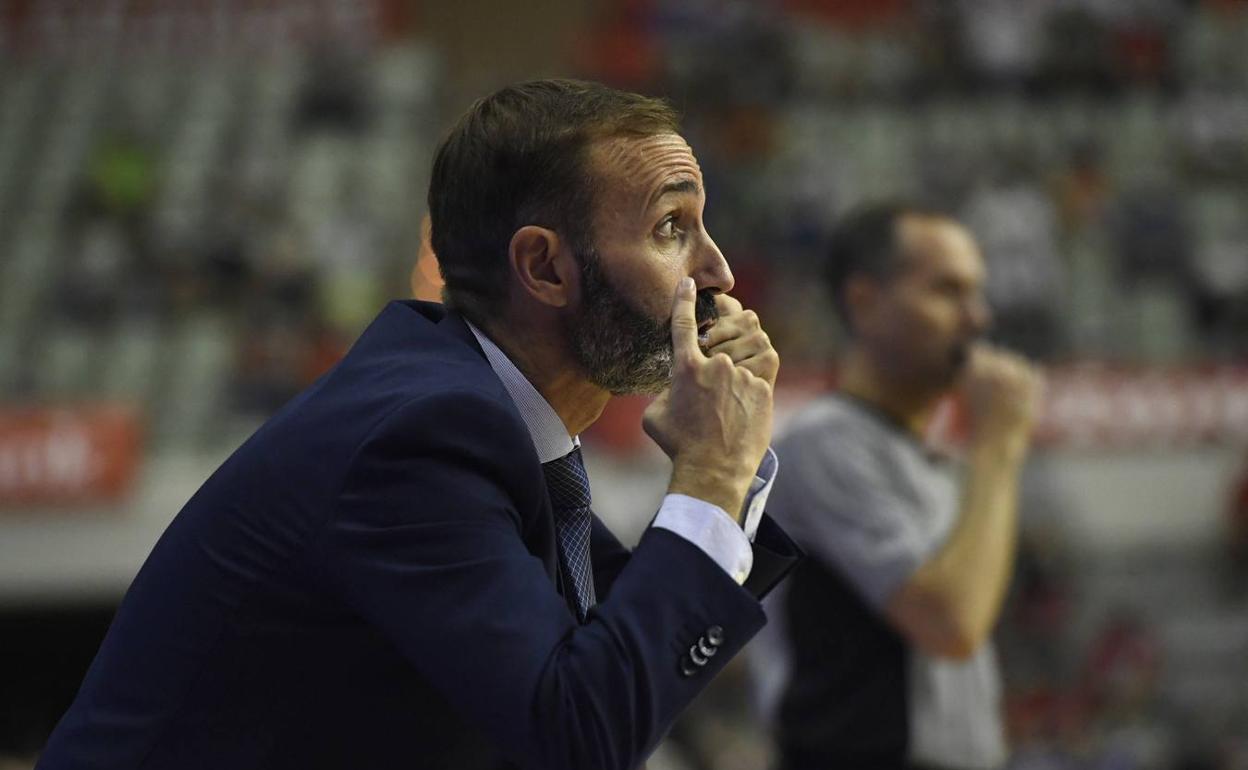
[543, 265]
[861, 294]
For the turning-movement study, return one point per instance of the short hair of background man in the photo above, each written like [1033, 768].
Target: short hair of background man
[521, 157]
[864, 242]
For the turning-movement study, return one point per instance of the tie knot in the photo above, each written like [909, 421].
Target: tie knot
[567, 481]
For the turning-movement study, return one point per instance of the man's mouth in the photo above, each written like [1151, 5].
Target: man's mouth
[960, 353]
[706, 313]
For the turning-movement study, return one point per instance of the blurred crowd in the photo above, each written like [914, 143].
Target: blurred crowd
[244, 216]
[257, 209]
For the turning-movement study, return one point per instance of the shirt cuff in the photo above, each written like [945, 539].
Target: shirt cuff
[760, 488]
[710, 528]
[716, 533]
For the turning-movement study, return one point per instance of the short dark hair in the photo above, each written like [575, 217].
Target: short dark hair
[864, 242]
[521, 157]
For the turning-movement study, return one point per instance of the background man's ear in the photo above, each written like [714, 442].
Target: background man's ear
[861, 295]
[544, 266]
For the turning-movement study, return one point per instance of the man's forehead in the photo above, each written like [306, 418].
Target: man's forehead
[648, 165]
[937, 242]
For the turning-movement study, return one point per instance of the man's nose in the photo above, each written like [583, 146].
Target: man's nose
[709, 269]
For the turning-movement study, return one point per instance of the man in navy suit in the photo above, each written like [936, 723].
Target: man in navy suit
[401, 568]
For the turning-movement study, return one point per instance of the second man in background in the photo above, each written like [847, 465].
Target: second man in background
[878, 654]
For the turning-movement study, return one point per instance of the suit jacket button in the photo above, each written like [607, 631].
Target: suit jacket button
[707, 650]
[698, 658]
[715, 635]
[687, 667]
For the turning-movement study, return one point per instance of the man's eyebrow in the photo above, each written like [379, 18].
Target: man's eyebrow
[676, 186]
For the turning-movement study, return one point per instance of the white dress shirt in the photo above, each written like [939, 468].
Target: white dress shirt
[704, 524]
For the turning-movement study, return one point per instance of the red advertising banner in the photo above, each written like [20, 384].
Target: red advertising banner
[1107, 407]
[79, 455]
[1090, 406]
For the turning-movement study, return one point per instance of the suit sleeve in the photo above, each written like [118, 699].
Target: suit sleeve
[775, 555]
[425, 544]
[608, 556]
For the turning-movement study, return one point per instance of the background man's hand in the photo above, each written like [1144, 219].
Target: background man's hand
[738, 334]
[714, 421]
[1002, 392]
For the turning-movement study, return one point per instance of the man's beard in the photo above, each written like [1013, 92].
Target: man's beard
[620, 348]
[946, 369]
[959, 358]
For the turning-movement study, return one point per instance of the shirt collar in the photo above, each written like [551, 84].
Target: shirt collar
[549, 434]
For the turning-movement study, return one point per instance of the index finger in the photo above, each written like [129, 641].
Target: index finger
[684, 321]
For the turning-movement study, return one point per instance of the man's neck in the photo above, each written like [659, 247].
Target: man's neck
[548, 366]
[910, 406]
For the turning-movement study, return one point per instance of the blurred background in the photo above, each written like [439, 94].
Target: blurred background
[202, 202]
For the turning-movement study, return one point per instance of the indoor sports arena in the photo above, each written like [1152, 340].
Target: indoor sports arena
[999, 250]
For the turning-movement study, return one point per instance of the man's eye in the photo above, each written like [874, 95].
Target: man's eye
[667, 229]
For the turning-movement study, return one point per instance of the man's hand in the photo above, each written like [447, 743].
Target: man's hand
[950, 604]
[1002, 391]
[714, 421]
[738, 334]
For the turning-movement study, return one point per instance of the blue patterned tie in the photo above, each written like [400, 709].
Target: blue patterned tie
[568, 485]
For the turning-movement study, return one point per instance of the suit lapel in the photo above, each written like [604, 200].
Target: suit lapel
[539, 536]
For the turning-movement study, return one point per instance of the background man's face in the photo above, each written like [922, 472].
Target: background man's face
[927, 316]
[648, 234]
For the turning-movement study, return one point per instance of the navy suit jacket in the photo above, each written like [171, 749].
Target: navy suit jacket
[371, 581]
